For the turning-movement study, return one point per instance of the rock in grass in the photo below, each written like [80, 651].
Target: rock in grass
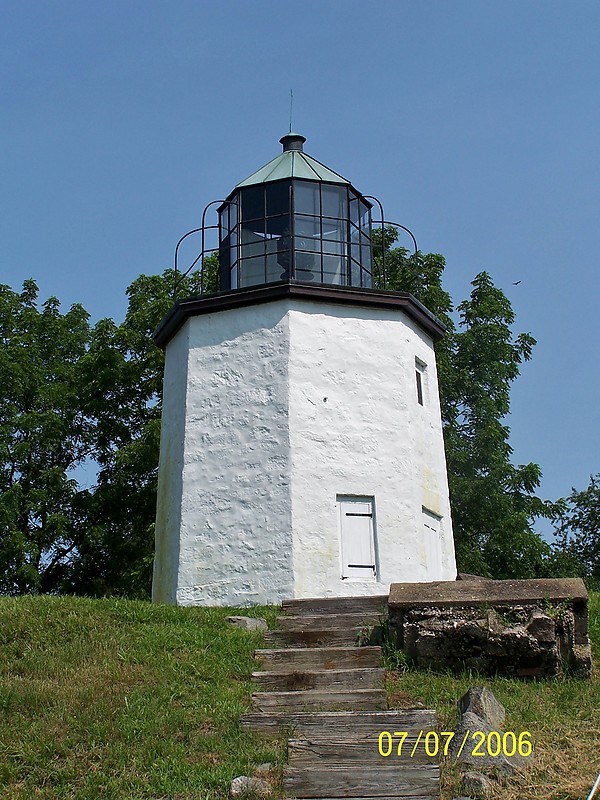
[249, 623]
[468, 725]
[243, 785]
[480, 701]
[475, 784]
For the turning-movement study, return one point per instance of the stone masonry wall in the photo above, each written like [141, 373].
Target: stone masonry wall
[533, 628]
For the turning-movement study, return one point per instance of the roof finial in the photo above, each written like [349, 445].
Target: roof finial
[292, 141]
[291, 107]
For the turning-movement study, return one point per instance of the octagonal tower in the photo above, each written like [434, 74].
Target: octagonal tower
[301, 444]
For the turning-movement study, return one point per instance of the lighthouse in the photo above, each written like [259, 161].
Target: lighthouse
[301, 448]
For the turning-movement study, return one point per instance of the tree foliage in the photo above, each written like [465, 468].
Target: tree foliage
[577, 532]
[44, 435]
[123, 371]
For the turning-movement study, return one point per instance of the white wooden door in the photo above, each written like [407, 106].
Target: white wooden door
[433, 544]
[357, 538]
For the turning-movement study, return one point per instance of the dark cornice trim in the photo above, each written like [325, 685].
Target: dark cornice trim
[341, 295]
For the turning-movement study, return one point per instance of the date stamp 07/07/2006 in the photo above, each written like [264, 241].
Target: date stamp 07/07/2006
[435, 744]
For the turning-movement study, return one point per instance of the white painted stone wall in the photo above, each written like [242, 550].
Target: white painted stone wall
[233, 542]
[287, 405]
[356, 428]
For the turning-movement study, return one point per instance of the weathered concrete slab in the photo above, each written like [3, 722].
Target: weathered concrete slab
[525, 628]
[466, 592]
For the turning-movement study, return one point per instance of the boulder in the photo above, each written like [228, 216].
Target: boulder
[470, 723]
[474, 784]
[480, 701]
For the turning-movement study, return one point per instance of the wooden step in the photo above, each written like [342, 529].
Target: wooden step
[335, 637]
[291, 659]
[335, 605]
[352, 752]
[346, 725]
[420, 781]
[311, 622]
[332, 679]
[320, 700]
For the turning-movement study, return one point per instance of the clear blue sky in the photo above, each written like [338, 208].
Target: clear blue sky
[476, 123]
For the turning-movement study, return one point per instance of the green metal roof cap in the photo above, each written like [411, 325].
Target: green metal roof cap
[293, 163]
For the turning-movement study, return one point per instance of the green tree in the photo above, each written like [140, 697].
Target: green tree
[44, 436]
[493, 502]
[123, 372]
[577, 532]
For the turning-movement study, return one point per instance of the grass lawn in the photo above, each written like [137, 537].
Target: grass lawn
[122, 700]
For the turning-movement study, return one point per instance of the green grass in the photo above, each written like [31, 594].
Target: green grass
[123, 700]
[119, 699]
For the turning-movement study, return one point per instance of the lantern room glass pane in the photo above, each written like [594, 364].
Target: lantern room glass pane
[307, 243]
[366, 258]
[333, 269]
[278, 226]
[365, 217]
[308, 263]
[274, 268]
[307, 226]
[277, 198]
[335, 229]
[251, 230]
[354, 209]
[334, 200]
[338, 248]
[306, 198]
[255, 248]
[224, 224]
[232, 215]
[253, 202]
[252, 271]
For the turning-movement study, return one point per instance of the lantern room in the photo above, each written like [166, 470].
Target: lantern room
[295, 219]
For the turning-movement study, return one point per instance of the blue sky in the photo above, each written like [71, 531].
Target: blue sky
[476, 123]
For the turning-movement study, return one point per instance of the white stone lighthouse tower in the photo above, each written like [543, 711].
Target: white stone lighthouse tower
[301, 445]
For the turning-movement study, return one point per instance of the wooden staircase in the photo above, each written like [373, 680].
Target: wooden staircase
[317, 683]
